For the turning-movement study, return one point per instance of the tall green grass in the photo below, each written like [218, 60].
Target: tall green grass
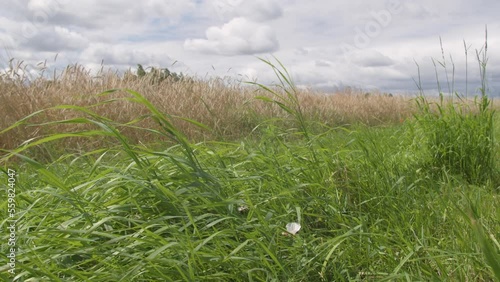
[369, 206]
[459, 133]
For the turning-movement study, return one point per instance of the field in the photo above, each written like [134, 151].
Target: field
[197, 180]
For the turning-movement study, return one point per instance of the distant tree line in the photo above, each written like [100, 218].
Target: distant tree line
[158, 75]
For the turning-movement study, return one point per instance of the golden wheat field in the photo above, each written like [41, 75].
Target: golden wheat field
[228, 108]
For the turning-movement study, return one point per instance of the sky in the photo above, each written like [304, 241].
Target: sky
[325, 45]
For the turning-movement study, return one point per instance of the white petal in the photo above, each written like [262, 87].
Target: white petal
[293, 228]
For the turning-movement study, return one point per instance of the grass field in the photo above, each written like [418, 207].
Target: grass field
[227, 107]
[112, 188]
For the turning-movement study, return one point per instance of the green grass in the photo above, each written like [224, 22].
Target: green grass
[372, 202]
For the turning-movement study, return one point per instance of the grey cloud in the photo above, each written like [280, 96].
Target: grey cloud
[301, 51]
[370, 58]
[114, 55]
[56, 39]
[322, 63]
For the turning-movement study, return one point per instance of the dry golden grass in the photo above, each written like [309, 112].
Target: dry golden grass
[227, 107]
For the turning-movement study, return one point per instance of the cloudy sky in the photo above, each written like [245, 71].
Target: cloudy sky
[324, 44]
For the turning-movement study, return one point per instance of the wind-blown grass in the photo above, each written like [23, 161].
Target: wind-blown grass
[369, 206]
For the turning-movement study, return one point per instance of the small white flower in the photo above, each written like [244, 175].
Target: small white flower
[243, 208]
[293, 228]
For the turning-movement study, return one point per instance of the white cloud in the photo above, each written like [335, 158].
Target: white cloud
[123, 55]
[53, 39]
[323, 63]
[45, 7]
[249, 74]
[74, 40]
[258, 10]
[167, 8]
[307, 36]
[240, 36]
[6, 40]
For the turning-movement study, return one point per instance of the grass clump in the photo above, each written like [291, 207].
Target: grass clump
[460, 140]
[459, 133]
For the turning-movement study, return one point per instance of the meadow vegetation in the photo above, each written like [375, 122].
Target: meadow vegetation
[192, 180]
[227, 107]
